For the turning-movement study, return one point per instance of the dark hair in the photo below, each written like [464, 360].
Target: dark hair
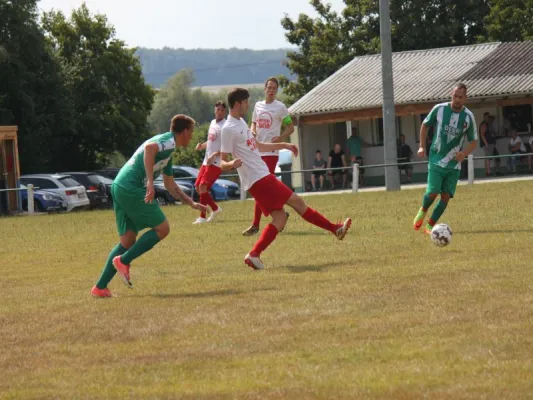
[318, 151]
[181, 122]
[402, 135]
[487, 113]
[237, 95]
[461, 86]
[220, 103]
[272, 79]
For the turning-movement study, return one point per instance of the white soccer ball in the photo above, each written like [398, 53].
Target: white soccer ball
[441, 235]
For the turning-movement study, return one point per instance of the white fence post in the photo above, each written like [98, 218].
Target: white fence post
[355, 178]
[243, 192]
[470, 169]
[30, 199]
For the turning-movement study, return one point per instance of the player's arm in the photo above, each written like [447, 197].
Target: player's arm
[150, 151]
[178, 194]
[266, 147]
[212, 157]
[253, 128]
[201, 146]
[428, 122]
[226, 165]
[483, 132]
[289, 129]
[471, 134]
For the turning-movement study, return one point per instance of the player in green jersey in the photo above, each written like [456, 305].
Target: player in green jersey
[133, 200]
[452, 122]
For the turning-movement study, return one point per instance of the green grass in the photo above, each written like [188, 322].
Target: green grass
[383, 314]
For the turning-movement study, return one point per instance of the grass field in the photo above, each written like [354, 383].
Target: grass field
[383, 314]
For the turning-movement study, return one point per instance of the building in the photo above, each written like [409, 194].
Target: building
[499, 77]
[9, 169]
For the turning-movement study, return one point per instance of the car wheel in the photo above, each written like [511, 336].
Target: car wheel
[38, 207]
[161, 201]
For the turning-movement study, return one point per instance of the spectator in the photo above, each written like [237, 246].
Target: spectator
[486, 141]
[405, 156]
[354, 144]
[494, 129]
[319, 163]
[336, 160]
[516, 146]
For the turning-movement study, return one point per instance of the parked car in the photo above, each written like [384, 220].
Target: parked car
[223, 189]
[72, 192]
[43, 200]
[284, 165]
[110, 173]
[96, 190]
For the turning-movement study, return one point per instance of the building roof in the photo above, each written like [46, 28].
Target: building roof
[491, 69]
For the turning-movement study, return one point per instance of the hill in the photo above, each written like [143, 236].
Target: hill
[213, 67]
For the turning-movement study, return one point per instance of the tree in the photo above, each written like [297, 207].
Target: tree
[32, 91]
[329, 41]
[106, 88]
[510, 20]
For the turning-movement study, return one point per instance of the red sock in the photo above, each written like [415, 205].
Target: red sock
[257, 215]
[315, 218]
[209, 201]
[203, 201]
[431, 222]
[267, 236]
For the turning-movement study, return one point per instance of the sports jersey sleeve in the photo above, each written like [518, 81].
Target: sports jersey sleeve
[168, 169]
[254, 114]
[285, 115]
[471, 132]
[431, 117]
[226, 141]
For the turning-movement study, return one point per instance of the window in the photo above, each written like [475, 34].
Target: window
[517, 117]
[379, 139]
[69, 182]
[39, 183]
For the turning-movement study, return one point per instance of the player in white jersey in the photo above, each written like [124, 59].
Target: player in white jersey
[269, 193]
[267, 120]
[210, 170]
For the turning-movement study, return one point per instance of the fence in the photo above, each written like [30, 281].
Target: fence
[30, 188]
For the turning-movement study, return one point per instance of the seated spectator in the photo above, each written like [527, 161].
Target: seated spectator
[319, 163]
[354, 144]
[516, 146]
[336, 160]
[405, 153]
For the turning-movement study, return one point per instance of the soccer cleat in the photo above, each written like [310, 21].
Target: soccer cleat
[343, 229]
[252, 230]
[199, 220]
[214, 213]
[419, 219]
[253, 262]
[428, 229]
[101, 293]
[123, 271]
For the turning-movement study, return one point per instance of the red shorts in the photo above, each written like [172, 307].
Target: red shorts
[208, 175]
[271, 162]
[270, 194]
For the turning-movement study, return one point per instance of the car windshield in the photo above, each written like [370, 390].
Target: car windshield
[93, 179]
[189, 170]
[67, 181]
[104, 180]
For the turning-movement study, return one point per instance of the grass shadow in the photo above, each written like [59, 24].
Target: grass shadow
[201, 295]
[303, 233]
[497, 231]
[297, 269]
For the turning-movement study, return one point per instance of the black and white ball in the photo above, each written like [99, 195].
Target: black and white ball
[441, 235]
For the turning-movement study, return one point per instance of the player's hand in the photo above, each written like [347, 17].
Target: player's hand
[198, 146]
[237, 163]
[276, 139]
[210, 160]
[460, 156]
[421, 152]
[150, 192]
[293, 148]
[199, 207]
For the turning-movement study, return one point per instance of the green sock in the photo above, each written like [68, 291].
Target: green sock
[427, 201]
[145, 243]
[437, 212]
[109, 270]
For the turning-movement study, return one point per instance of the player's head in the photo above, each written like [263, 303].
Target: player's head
[513, 133]
[486, 117]
[458, 96]
[338, 148]
[318, 154]
[271, 88]
[182, 126]
[238, 100]
[402, 138]
[220, 110]
[354, 131]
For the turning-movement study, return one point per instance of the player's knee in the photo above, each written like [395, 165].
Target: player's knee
[433, 196]
[128, 240]
[163, 230]
[445, 197]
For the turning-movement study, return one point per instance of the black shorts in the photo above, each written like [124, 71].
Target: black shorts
[337, 171]
[319, 173]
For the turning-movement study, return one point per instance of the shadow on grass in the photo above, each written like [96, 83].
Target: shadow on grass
[495, 231]
[313, 268]
[303, 233]
[200, 295]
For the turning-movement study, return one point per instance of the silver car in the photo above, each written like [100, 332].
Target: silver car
[71, 191]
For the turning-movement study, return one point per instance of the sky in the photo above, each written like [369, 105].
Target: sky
[191, 24]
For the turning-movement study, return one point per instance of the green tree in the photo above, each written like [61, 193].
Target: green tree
[189, 156]
[510, 20]
[32, 88]
[331, 40]
[106, 88]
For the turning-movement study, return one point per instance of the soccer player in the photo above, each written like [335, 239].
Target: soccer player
[267, 119]
[133, 194]
[210, 170]
[452, 122]
[269, 193]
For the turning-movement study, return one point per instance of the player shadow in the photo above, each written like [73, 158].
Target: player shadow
[495, 231]
[201, 295]
[298, 269]
[303, 233]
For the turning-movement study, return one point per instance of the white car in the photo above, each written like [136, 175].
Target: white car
[71, 191]
[285, 158]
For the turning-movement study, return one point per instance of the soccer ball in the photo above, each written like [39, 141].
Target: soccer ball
[441, 235]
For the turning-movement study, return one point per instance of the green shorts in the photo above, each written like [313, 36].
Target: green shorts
[442, 180]
[132, 213]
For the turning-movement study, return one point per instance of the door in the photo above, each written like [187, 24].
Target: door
[10, 174]
[3, 183]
